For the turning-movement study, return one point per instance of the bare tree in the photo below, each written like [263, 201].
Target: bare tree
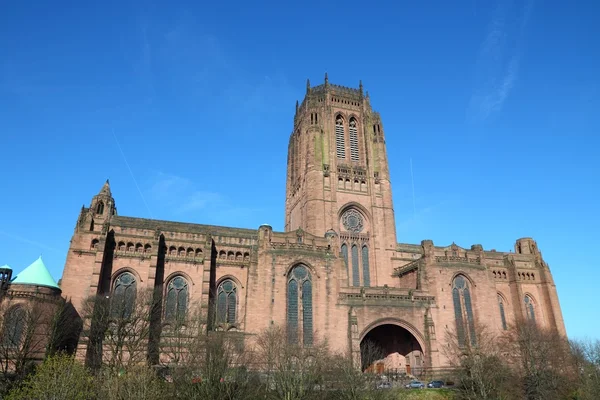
[24, 334]
[587, 359]
[293, 371]
[117, 329]
[64, 329]
[183, 339]
[546, 365]
[481, 366]
[346, 377]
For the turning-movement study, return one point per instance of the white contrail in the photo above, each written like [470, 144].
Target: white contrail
[31, 242]
[131, 173]
[412, 178]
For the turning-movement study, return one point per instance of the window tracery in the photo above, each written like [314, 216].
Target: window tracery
[176, 299]
[353, 140]
[14, 327]
[353, 221]
[463, 311]
[529, 308]
[340, 143]
[123, 295]
[502, 315]
[226, 302]
[299, 294]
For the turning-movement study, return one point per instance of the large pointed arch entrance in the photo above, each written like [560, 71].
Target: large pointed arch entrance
[392, 346]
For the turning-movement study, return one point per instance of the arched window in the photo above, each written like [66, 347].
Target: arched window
[355, 267]
[353, 140]
[177, 299]
[14, 327]
[123, 295]
[529, 308]
[94, 244]
[463, 311]
[345, 254]
[502, 315]
[365, 264]
[299, 293]
[340, 144]
[226, 302]
[100, 208]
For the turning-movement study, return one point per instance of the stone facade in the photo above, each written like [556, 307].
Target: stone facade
[339, 225]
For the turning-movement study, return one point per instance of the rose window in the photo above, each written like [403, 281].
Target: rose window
[353, 221]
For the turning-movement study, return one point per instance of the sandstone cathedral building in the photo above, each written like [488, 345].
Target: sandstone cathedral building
[336, 272]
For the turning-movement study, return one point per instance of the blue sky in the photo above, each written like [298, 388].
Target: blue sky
[188, 107]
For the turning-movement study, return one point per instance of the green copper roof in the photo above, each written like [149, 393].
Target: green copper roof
[5, 266]
[36, 274]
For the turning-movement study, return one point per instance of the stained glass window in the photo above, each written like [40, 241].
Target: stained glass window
[307, 320]
[299, 293]
[226, 302]
[345, 254]
[355, 267]
[502, 316]
[176, 299]
[365, 263]
[123, 296]
[463, 311]
[14, 326]
[529, 308]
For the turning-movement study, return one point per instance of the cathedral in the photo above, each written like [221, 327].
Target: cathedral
[336, 272]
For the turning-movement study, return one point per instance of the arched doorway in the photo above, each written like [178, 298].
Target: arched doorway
[391, 348]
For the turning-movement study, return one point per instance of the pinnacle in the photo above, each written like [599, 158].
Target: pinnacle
[106, 188]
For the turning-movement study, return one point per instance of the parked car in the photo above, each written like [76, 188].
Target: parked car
[435, 384]
[384, 385]
[415, 385]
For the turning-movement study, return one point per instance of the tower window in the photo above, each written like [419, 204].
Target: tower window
[340, 144]
[529, 308]
[365, 264]
[353, 140]
[100, 208]
[502, 315]
[355, 267]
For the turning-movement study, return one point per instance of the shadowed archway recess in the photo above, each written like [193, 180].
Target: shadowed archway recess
[390, 347]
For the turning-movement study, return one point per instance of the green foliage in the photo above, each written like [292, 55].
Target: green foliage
[58, 378]
[135, 383]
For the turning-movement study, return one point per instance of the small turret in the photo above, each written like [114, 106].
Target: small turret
[526, 246]
[326, 80]
[103, 204]
[5, 277]
[102, 208]
[307, 85]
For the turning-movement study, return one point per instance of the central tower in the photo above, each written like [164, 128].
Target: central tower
[338, 177]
